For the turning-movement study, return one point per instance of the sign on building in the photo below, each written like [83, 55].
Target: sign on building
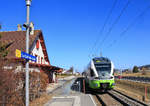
[24, 55]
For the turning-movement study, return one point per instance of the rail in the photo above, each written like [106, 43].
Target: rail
[124, 99]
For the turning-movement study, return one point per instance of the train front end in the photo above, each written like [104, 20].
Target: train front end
[102, 69]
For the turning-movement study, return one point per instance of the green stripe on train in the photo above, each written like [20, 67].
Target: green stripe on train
[95, 84]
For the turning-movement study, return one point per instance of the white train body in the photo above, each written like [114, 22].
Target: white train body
[100, 70]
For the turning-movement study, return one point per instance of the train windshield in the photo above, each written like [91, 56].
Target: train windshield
[103, 69]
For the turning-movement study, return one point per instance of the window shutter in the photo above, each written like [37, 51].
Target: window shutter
[37, 44]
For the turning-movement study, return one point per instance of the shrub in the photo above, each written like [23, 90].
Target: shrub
[12, 87]
[135, 69]
[144, 71]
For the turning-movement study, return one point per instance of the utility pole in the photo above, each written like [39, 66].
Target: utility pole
[121, 72]
[27, 25]
[101, 54]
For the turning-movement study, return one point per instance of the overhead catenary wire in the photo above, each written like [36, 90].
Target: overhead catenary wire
[103, 27]
[113, 25]
[129, 26]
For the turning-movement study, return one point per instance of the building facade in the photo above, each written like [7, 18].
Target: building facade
[17, 40]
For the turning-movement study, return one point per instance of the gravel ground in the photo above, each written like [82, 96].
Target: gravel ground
[109, 101]
[105, 100]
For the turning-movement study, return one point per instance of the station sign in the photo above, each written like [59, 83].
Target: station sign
[25, 55]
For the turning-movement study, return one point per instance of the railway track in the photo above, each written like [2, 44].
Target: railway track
[115, 98]
[106, 100]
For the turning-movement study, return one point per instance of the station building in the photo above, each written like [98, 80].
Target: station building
[17, 40]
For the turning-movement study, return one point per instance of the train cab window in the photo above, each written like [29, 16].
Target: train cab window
[91, 72]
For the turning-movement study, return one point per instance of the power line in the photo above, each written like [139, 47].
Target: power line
[103, 27]
[0, 25]
[130, 25]
[115, 22]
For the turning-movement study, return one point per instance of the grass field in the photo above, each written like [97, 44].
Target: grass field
[135, 89]
[139, 74]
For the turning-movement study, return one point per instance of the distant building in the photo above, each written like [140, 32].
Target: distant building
[17, 40]
[77, 73]
[67, 72]
[146, 67]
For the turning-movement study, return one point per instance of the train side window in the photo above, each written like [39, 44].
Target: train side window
[91, 72]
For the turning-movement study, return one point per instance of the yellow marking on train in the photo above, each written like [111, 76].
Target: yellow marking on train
[98, 61]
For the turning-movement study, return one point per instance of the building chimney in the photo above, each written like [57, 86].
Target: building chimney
[19, 27]
[31, 28]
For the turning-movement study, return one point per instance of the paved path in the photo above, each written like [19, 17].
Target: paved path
[73, 97]
[72, 100]
[53, 86]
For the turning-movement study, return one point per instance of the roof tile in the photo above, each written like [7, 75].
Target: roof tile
[18, 40]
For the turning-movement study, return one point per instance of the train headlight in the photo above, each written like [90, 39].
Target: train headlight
[96, 85]
[113, 84]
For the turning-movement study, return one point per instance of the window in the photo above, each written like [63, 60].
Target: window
[91, 72]
[103, 69]
[41, 60]
[38, 59]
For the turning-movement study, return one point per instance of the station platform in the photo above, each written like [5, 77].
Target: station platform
[72, 100]
[69, 92]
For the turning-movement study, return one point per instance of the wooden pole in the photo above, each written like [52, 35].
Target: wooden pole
[83, 86]
[145, 92]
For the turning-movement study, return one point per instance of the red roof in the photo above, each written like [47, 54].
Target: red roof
[17, 40]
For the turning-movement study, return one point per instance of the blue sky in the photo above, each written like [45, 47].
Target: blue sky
[71, 27]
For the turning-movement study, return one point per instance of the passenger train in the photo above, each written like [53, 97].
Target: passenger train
[99, 74]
